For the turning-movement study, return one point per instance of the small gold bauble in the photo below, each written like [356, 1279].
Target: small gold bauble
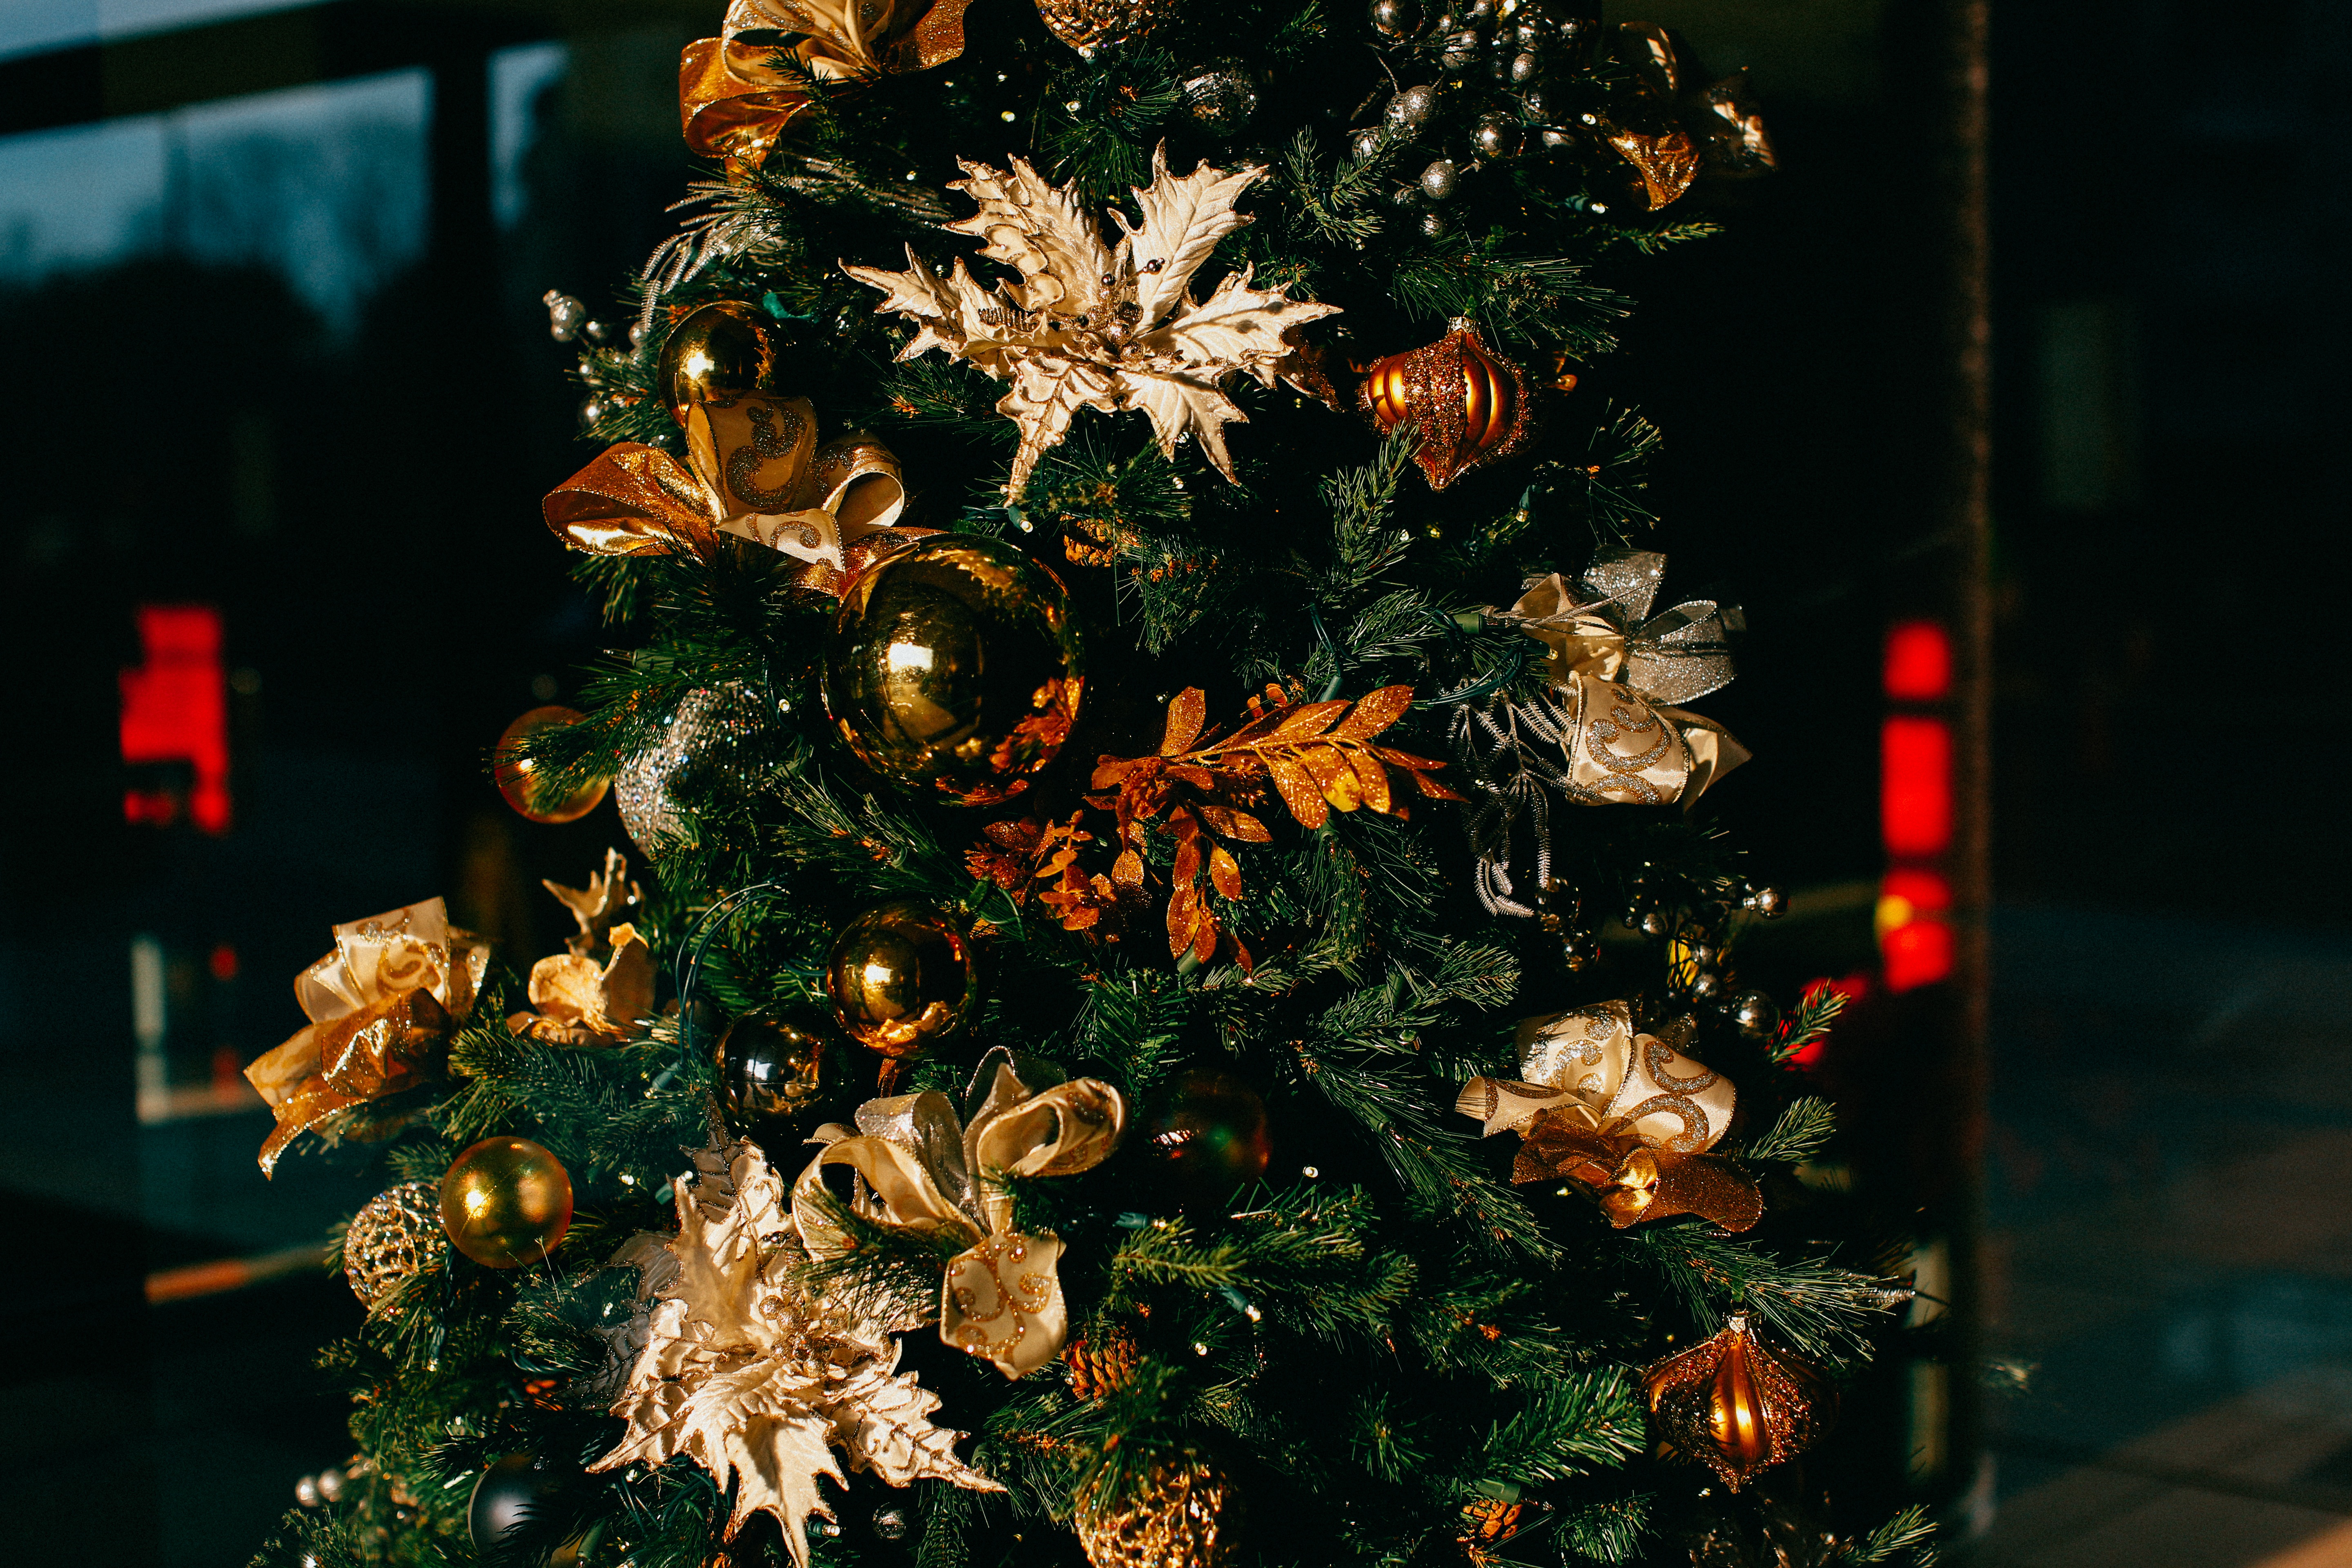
[899, 978]
[505, 1203]
[780, 1077]
[395, 1234]
[956, 666]
[1187, 1516]
[719, 352]
[517, 777]
[1734, 1405]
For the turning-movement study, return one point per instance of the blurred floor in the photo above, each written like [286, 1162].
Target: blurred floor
[2170, 1180]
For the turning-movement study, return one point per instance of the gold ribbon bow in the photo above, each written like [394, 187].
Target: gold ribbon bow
[1617, 668]
[1625, 1113]
[735, 104]
[919, 1168]
[754, 470]
[382, 1007]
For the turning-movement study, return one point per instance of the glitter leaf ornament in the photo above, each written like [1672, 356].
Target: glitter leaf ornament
[760, 1383]
[1094, 326]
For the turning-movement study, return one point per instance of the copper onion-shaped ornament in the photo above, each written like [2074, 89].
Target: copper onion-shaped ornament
[1733, 1405]
[1468, 403]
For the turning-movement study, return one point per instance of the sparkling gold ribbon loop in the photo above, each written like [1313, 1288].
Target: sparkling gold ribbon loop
[919, 1168]
[845, 496]
[735, 103]
[382, 1006]
[1625, 1113]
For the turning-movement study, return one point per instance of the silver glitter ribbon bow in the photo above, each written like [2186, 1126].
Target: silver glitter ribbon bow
[919, 1167]
[1603, 732]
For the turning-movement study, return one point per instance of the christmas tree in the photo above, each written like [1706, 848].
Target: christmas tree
[1174, 998]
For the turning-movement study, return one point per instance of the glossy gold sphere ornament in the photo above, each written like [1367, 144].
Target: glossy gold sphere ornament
[1187, 1515]
[1733, 1405]
[719, 352]
[395, 1234]
[518, 778]
[899, 978]
[955, 668]
[1467, 403]
[781, 1078]
[505, 1203]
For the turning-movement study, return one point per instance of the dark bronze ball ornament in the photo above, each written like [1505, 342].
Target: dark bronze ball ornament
[782, 1077]
[955, 669]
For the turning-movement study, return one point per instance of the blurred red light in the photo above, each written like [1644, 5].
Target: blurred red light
[1918, 662]
[1915, 801]
[175, 710]
[223, 961]
[1926, 892]
[1916, 954]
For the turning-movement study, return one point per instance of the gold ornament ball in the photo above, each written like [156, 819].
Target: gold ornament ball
[955, 668]
[518, 778]
[1188, 1515]
[721, 351]
[1737, 1407]
[395, 1234]
[505, 1203]
[899, 978]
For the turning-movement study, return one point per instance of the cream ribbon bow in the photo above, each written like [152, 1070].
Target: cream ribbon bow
[919, 1168]
[1625, 1113]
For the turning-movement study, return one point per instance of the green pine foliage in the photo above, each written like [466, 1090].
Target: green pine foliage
[1386, 1329]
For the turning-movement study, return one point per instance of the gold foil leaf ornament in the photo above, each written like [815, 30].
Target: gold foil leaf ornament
[1090, 325]
[382, 1006]
[1624, 1113]
[759, 1382]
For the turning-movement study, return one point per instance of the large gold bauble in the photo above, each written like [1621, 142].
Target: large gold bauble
[956, 666]
[1187, 1516]
[517, 777]
[899, 978]
[395, 1234]
[720, 350]
[505, 1203]
[1735, 1405]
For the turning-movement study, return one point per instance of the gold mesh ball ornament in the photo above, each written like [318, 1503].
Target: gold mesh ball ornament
[1090, 24]
[396, 1233]
[1188, 1515]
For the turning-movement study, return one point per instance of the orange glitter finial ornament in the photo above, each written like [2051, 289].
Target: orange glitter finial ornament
[1468, 403]
[1732, 1405]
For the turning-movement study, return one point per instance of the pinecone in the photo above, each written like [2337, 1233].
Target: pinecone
[1101, 1361]
[395, 1233]
[1187, 1516]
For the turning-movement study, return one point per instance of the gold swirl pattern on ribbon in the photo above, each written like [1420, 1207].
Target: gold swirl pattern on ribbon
[919, 1168]
[1625, 1113]
[736, 101]
[382, 1007]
